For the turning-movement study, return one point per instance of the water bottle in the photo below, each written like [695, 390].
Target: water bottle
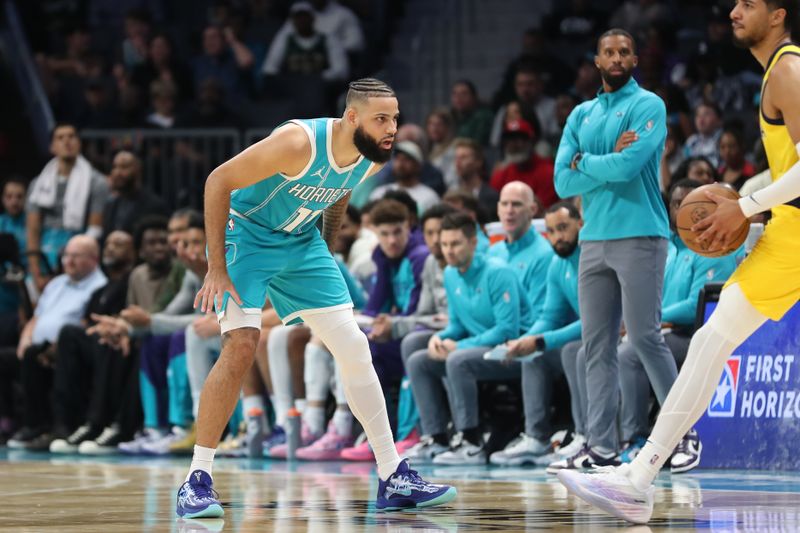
[255, 433]
[292, 432]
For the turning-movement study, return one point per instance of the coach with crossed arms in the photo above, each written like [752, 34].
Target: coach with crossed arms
[609, 156]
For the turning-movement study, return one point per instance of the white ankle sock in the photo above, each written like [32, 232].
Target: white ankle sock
[203, 459]
[314, 417]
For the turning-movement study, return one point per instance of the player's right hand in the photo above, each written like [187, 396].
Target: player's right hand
[215, 285]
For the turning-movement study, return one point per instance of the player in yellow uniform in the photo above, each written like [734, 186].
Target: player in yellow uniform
[766, 285]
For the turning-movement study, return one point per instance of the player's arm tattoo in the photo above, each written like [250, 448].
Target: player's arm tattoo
[332, 221]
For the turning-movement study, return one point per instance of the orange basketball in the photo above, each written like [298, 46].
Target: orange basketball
[695, 207]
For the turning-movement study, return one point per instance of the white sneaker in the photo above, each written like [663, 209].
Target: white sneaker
[425, 450]
[573, 447]
[610, 490]
[520, 451]
[107, 443]
[462, 452]
[136, 445]
[161, 446]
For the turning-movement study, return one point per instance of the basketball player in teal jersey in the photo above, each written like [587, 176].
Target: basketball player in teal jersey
[261, 208]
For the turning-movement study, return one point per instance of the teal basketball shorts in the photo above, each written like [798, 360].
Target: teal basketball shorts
[296, 272]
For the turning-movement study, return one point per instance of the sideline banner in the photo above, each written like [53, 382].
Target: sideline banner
[753, 420]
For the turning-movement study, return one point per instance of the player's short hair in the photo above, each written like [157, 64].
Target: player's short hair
[617, 31]
[147, 223]
[406, 199]
[461, 221]
[790, 23]
[436, 211]
[60, 125]
[359, 91]
[466, 199]
[389, 211]
[571, 208]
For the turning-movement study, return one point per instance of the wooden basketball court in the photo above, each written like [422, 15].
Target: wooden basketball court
[76, 494]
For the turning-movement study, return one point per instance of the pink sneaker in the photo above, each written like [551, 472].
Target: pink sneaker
[328, 448]
[307, 437]
[411, 440]
[362, 452]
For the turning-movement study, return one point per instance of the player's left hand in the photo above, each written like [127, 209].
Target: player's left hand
[521, 346]
[720, 227]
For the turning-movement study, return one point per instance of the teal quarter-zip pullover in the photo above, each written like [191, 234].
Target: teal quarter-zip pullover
[486, 304]
[530, 258]
[559, 322]
[620, 190]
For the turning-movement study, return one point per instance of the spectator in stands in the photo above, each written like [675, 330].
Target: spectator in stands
[708, 123]
[528, 253]
[147, 281]
[63, 302]
[134, 47]
[12, 222]
[529, 92]
[406, 167]
[685, 276]
[439, 127]
[470, 166]
[535, 54]
[225, 59]
[697, 168]
[637, 16]
[587, 79]
[66, 198]
[89, 376]
[210, 109]
[304, 50]
[672, 156]
[522, 164]
[573, 26]
[473, 120]
[463, 200]
[337, 21]
[486, 307]
[163, 98]
[734, 169]
[557, 325]
[355, 244]
[129, 201]
[399, 260]
[97, 110]
[161, 64]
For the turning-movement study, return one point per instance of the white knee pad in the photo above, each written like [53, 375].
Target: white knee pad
[348, 344]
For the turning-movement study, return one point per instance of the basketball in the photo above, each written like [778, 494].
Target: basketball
[695, 207]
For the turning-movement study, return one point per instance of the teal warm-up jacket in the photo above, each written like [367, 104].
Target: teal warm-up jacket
[559, 322]
[486, 304]
[685, 274]
[620, 190]
[530, 258]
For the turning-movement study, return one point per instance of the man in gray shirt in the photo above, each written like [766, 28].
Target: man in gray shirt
[66, 198]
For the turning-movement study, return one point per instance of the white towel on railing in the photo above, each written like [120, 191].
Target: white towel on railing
[76, 195]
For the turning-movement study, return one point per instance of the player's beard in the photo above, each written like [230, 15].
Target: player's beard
[369, 147]
[564, 249]
[615, 81]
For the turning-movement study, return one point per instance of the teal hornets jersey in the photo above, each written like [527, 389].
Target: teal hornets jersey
[293, 204]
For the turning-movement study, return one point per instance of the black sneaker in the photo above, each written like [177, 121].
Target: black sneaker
[585, 458]
[40, 443]
[687, 454]
[71, 443]
[105, 444]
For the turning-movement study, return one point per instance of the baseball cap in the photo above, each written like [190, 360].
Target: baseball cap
[411, 149]
[519, 127]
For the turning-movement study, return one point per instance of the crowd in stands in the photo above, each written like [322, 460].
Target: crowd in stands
[459, 245]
